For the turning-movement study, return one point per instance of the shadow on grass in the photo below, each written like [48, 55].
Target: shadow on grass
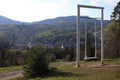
[117, 74]
[57, 73]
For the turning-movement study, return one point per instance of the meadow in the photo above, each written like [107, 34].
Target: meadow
[88, 71]
[10, 69]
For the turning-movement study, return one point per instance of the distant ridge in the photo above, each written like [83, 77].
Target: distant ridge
[60, 20]
[5, 20]
[54, 21]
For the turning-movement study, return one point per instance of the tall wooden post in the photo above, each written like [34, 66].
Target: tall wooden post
[102, 39]
[85, 39]
[95, 34]
[78, 38]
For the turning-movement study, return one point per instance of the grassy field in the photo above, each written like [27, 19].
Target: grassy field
[68, 71]
[10, 69]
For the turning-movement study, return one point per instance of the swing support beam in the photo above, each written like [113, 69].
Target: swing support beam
[78, 33]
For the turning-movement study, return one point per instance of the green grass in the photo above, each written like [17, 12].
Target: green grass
[10, 69]
[113, 61]
[68, 71]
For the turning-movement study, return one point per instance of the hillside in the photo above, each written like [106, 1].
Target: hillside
[57, 31]
[4, 21]
[60, 20]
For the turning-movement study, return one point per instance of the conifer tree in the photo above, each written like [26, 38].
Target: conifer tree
[113, 33]
[37, 63]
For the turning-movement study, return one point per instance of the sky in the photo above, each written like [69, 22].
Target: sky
[37, 10]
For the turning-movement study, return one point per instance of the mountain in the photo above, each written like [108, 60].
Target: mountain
[67, 19]
[4, 21]
[61, 20]
[54, 21]
[56, 31]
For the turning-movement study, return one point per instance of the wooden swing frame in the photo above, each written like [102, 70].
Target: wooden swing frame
[78, 33]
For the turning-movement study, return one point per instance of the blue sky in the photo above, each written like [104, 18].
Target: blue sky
[36, 10]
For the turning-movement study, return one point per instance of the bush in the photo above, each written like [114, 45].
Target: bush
[37, 63]
[13, 57]
[69, 53]
[52, 57]
[4, 47]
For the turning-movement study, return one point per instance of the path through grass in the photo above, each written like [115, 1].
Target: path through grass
[68, 71]
[10, 69]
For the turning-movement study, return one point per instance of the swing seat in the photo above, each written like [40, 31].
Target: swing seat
[90, 58]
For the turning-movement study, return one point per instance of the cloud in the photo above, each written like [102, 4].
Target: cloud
[108, 2]
[111, 2]
[29, 10]
[32, 10]
[79, 0]
[94, 2]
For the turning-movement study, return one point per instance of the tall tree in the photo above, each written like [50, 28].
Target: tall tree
[4, 46]
[113, 33]
[116, 13]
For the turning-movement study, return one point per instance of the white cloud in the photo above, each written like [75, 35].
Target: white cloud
[94, 2]
[84, 11]
[79, 0]
[29, 10]
[108, 2]
[33, 10]
[111, 2]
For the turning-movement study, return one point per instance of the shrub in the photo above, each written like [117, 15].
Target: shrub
[37, 63]
[52, 57]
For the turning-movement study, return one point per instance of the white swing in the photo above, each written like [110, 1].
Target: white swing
[95, 56]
